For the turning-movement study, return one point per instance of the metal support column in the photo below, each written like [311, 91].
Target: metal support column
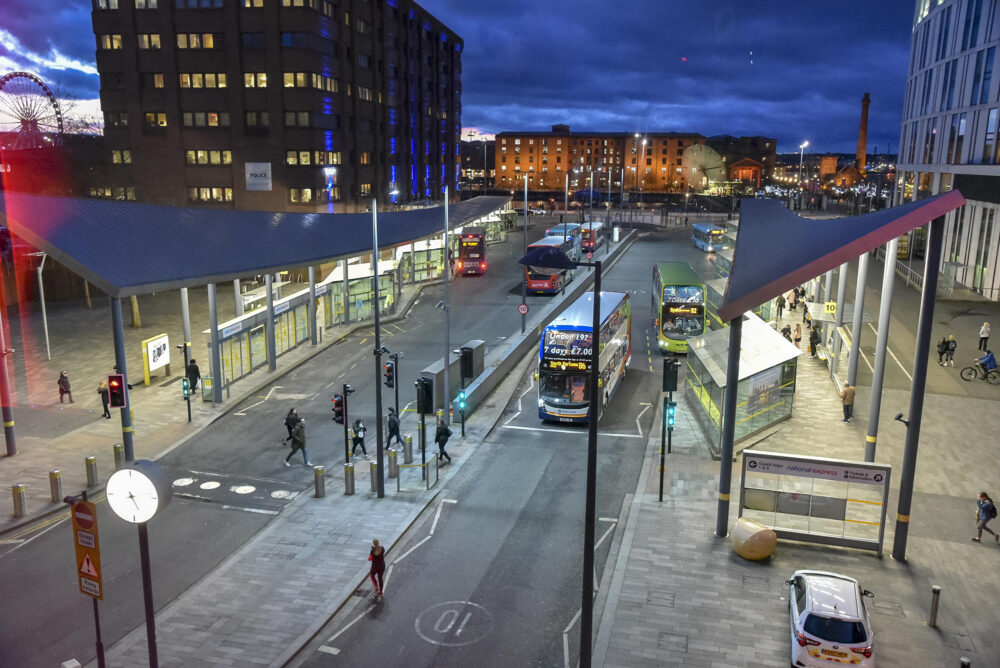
[859, 309]
[729, 424]
[213, 329]
[126, 411]
[881, 346]
[272, 349]
[237, 297]
[345, 287]
[932, 263]
[312, 306]
[447, 318]
[839, 319]
[587, 604]
[5, 400]
[186, 325]
[380, 483]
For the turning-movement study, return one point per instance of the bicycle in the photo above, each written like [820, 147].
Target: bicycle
[970, 373]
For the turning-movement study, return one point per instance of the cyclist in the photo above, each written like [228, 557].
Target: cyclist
[986, 363]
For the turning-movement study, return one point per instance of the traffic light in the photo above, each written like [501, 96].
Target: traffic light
[186, 387]
[116, 391]
[671, 410]
[425, 395]
[390, 374]
[466, 363]
[338, 408]
[461, 401]
[670, 374]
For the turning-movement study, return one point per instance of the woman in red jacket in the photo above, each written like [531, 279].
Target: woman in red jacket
[377, 557]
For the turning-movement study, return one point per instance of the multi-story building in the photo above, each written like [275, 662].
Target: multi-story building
[763, 150]
[279, 104]
[646, 162]
[477, 164]
[949, 139]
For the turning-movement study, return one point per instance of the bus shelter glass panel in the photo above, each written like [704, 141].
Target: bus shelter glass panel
[301, 323]
[258, 347]
[428, 265]
[283, 332]
[361, 296]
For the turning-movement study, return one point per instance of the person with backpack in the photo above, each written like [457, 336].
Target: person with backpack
[441, 437]
[813, 342]
[299, 442]
[942, 348]
[291, 420]
[358, 437]
[393, 424]
[949, 355]
[986, 510]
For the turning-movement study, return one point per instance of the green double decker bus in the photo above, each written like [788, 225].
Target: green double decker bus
[678, 305]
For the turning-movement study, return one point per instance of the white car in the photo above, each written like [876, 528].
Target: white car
[829, 620]
[536, 212]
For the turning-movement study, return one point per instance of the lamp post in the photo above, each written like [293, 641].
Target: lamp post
[484, 165]
[553, 259]
[802, 152]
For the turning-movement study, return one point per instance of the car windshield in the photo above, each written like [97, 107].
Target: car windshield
[565, 387]
[835, 630]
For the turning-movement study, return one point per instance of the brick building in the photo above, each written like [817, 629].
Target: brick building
[278, 104]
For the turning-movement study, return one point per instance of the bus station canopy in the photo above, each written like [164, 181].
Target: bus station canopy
[127, 248]
[777, 250]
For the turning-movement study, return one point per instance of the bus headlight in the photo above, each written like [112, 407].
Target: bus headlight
[541, 403]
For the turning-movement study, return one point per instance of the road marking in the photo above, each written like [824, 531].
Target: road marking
[566, 638]
[606, 534]
[361, 342]
[867, 363]
[607, 519]
[350, 624]
[407, 553]
[11, 541]
[645, 408]
[509, 420]
[329, 650]
[260, 511]
[437, 514]
[893, 355]
[531, 384]
[567, 431]
[385, 581]
[263, 399]
[355, 364]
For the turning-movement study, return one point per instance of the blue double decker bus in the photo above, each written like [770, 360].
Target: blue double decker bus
[708, 237]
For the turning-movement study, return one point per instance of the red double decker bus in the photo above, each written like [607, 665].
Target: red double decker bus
[541, 280]
[471, 251]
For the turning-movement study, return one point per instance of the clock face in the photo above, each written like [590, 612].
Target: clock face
[132, 495]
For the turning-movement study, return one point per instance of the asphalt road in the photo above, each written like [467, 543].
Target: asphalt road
[491, 574]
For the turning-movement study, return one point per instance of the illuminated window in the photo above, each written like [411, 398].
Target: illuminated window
[148, 40]
[203, 79]
[365, 93]
[255, 4]
[145, 4]
[198, 4]
[366, 158]
[255, 79]
[366, 189]
[155, 119]
[205, 119]
[110, 42]
[208, 157]
[151, 80]
[297, 119]
[218, 194]
[300, 195]
[196, 40]
[121, 157]
[116, 119]
[106, 4]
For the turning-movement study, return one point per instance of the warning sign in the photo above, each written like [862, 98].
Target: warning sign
[88, 548]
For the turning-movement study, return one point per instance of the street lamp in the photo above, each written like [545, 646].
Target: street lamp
[552, 259]
[802, 152]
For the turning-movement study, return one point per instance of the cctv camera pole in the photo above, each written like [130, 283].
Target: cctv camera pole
[119, 338]
[447, 320]
[932, 261]
[378, 354]
[888, 276]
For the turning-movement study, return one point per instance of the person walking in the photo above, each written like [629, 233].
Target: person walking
[63, 383]
[780, 303]
[291, 420]
[377, 571]
[193, 375]
[797, 337]
[847, 397]
[786, 332]
[984, 336]
[793, 295]
[393, 424]
[813, 342]
[986, 510]
[441, 437]
[299, 442]
[102, 390]
[942, 348]
[358, 437]
[949, 355]
[805, 314]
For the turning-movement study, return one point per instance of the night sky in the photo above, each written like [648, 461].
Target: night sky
[794, 70]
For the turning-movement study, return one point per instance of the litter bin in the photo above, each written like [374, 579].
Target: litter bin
[752, 540]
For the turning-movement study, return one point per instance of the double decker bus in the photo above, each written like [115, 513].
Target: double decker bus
[678, 305]
[591, 236]
[540, 280]
[471, 251]
[564, 230]
[564, 357]
[708, 237]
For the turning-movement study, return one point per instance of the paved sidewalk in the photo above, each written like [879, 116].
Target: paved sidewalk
[680, 596]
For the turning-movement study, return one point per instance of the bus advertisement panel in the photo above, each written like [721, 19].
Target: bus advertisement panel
[708, 237]
[539, 279]
[591, 236]
[471, 251]
[565, 351]
[564, 229]
[678, 305]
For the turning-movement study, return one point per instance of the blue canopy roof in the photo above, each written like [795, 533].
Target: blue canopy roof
[126, 248]
[777, 250]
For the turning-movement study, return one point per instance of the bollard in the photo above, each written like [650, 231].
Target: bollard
[393, 463]
[119, 456]
[319, 482]
[55, 485]
[408, 449]
[935, 597]
[348, 479]
[19, 505]
[91, 463]
[374, 476]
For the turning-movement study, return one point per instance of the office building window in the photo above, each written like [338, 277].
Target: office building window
[253, 4]
[208, 157]
[366, 189]
[205, 119]
[145, 4]
[155, 119]
[151, 79]
[116, 119]
[198, 40]
[105, 4]
[366, 158]
[944, 25]
[297, 119]
[218, 194]
[990, 141]
[252, 41]
[198, 4]
[255, 79]
[984, 96]
[300, 195]
[295, 40]
[148, 40]
[365, 94]
[109, 42]
[956, 137]
[121, 157]
[307, 158]
[203, 79]
[256, 119]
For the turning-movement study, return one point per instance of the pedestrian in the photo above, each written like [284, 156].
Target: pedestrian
[792, 294]
[942, 348]
[63, 383]
[847, 397]
[377, 571]
[291, 420]
[299, 442]
[805, 314]
[393, 423]
[797, 337]
[193, 375]
[358, 437]
[786, 332]
[984, 336]
[102, 390]
[949, 355]
[813, 342]
[986, 510]
[441, 438]
[780, 303]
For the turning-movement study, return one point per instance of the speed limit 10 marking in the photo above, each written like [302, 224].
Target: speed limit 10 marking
[454, 623]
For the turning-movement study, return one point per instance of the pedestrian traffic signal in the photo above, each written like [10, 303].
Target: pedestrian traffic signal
[466, 364]
[461, 400]
[425, 395]
[338, 408]
[186, 387]
[116, 391]
[390, 374]
[670, 374]
[671, 410]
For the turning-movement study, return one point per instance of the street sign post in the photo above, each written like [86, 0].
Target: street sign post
[522, 309]
[88, 551]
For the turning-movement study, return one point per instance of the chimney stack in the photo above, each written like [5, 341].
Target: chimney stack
[861, 159]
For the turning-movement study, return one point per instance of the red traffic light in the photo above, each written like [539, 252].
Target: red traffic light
[116, 391]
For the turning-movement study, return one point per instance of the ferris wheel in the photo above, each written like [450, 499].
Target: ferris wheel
[29, 113]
